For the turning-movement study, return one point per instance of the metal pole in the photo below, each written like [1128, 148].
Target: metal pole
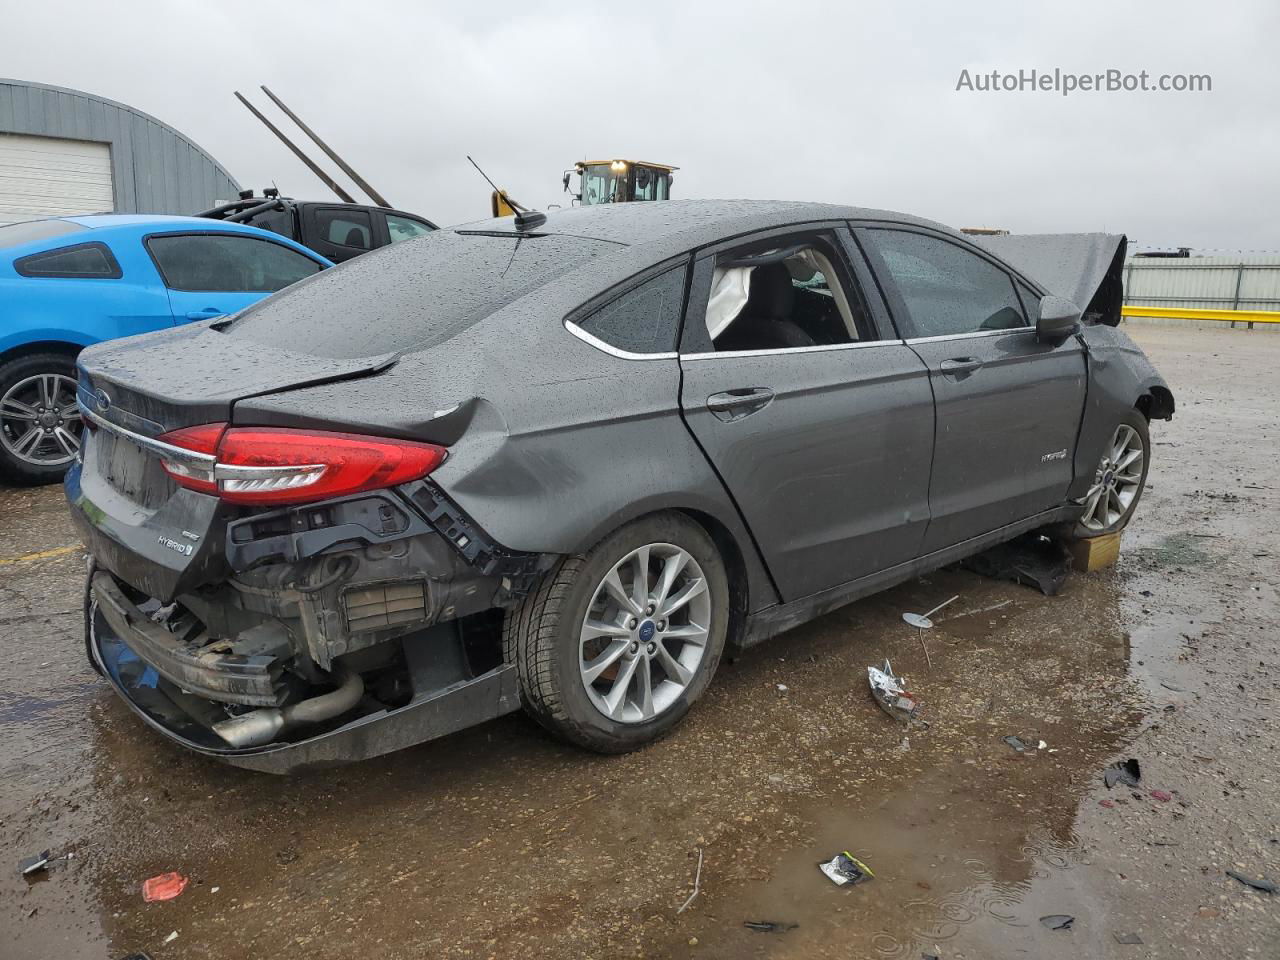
[346, 168]
[327, 180]
[1235, 300]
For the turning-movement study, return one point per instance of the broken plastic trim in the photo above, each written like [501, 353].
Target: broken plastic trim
[517, 571]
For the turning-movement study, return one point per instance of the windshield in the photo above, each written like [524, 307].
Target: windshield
[602, 184]
[410, 295]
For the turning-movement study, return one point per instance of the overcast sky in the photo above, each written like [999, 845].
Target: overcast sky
[845, 102]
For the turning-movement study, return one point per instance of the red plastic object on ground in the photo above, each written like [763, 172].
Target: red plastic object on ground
[166, 886]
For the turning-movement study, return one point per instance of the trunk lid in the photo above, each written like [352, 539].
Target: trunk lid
[156, 536]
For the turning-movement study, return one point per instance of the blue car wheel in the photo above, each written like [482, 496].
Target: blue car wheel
[39, 421]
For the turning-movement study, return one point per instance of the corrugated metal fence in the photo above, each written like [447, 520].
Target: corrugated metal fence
[1216, 283]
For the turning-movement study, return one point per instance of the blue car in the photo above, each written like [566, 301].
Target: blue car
[70, 282]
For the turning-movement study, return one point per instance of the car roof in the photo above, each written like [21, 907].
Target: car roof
[688, 224]
[97, 221]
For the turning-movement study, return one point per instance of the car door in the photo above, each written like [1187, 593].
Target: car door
[209, 274]
[1008, 406]
[822, 430]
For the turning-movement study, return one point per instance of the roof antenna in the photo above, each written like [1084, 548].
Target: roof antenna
[526, 218]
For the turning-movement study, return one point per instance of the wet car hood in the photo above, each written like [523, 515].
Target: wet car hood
[1071, 265]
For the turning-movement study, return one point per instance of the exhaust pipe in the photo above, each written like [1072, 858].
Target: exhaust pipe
[260, 727]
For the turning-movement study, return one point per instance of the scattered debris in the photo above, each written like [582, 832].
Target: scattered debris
[782, 687]
[769, 926]
[922, 623]
[697, 884]
[1032, 559]
[1127, 772]
[165, 886]
[1162, 795]
[891, 693]
[1017, 743]
[1266, 886]
[171, 937]
[1171, 686]
[1127, 938]
[845, 868]
[35, 863]
[1058, 921]
[1109, 804]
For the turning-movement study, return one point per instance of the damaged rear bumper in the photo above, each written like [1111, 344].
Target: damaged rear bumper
[433, 712]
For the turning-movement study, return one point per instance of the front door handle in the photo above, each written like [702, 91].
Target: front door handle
[957, 368]
[736, 404]
[208, 313]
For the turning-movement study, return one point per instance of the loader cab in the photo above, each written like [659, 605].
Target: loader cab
[620, 181]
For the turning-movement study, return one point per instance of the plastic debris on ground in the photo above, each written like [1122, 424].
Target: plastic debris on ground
[34, 864]
[1058, 921]
[891, 693]
[844, 868]
[1127, 938]
[171, 937]
[1127, 772]
[769, 926]
[1032, 559]
[166, 886]
[1264, 885]
[1162, 795]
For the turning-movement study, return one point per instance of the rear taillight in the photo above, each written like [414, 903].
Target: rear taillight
[274, 465]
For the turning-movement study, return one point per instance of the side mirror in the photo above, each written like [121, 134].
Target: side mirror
[1059, 318]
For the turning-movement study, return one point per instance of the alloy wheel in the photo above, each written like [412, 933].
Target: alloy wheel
[645, 633]
[1117, 481]
[39, 421]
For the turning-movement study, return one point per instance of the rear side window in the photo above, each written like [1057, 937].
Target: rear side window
[645, 319]
[946, 289]
[225, 263]
[346, 228]
[85, 261]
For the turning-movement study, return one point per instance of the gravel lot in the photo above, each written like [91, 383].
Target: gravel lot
[500, 842]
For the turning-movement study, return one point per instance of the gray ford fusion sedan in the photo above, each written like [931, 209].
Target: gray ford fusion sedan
[560, 463]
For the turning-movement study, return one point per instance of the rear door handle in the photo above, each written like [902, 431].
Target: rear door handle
[736, 404]
[960, 367]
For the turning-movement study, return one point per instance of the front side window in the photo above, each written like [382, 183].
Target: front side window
[85, 261]
[346, 228]
[405, 228]
[645, 319]
[945, 289]
[790, 296]
[225, 263]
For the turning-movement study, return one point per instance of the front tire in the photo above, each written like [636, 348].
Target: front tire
[40, 423]
[613, 646]
[1119, 480]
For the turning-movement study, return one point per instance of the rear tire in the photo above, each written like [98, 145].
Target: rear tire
[612, 677]
[35, 450]
[1119, 480]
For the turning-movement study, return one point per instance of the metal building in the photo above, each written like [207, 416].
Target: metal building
[64, 152]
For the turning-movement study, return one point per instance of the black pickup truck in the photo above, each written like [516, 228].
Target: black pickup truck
[335, 230]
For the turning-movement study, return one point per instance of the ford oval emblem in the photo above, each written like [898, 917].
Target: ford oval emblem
[102, 400]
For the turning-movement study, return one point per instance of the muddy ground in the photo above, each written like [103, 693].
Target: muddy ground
[501, 842]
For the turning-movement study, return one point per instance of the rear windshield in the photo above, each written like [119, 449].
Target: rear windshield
[410, 295]
[29, 231]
